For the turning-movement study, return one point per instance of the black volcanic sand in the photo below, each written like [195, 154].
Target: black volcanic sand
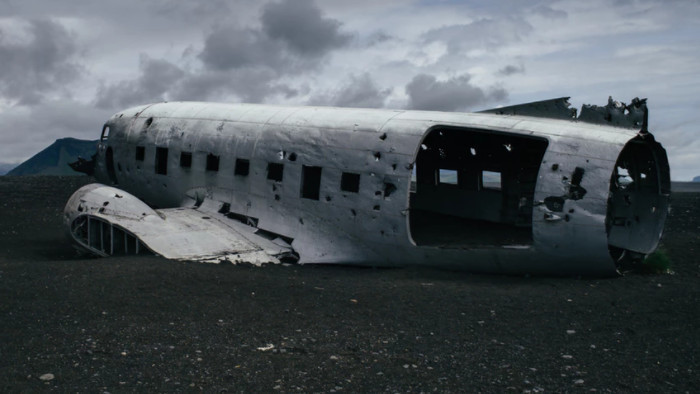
[149, 324]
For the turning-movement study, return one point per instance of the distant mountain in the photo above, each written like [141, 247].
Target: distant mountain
[696, 179]
[6, 167]
[54, 159]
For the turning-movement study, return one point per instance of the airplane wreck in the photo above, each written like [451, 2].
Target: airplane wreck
[532, 188]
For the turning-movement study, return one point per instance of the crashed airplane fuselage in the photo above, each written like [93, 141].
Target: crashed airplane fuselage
[500, 191]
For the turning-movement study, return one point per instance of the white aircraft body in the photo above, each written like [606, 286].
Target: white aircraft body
[523, 189]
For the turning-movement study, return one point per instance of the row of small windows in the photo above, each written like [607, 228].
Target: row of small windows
[310, 176]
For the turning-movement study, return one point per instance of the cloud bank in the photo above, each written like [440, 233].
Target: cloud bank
[65, 67]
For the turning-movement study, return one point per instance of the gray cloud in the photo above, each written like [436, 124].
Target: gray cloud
[229, 48]
[45, 122]
[359, 92]
[156, 79]
[190, 10]
[161, 80]
[483, 33]
[378, 37]
[425, 92]
[251, 85]
[301, 25]
[511, 69]
[245, 62]
[40, 64]
[549, 12]
[293, 37]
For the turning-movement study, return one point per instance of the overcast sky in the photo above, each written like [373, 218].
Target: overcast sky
[67, 66]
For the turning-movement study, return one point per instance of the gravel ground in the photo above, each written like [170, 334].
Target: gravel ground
[74, 324]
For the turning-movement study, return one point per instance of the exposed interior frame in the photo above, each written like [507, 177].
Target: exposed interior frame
[474, 188]
[106, 239]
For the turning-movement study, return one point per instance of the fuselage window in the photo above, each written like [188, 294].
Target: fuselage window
[350, 182]
[242, 167]
[310, 182]
[161, 161]
[491, 180]
[448, 177]
[275, 171]
[140, 153]
[212, 162]
[185, 159]
[105, 133]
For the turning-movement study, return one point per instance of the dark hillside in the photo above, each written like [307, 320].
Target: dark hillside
[54, 159]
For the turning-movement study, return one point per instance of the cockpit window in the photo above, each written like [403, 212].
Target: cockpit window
[105, 133]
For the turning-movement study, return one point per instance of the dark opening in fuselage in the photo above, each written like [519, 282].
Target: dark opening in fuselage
[638, 202]
[474, 188]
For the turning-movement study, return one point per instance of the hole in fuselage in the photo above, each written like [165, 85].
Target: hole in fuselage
[469, 191]
[109, 158]
[638, 200]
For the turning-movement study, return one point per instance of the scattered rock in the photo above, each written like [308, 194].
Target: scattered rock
[47, 377]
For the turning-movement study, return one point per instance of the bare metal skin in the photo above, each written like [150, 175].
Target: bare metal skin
[524, 189]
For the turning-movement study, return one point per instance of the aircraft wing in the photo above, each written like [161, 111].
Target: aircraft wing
[108, 221]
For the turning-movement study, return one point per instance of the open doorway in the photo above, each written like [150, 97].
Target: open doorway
[474, 188]
[109, 159]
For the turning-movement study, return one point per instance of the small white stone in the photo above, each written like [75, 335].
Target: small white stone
[567, 356]
[570, 332]
[46, 377]
[578, 381]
